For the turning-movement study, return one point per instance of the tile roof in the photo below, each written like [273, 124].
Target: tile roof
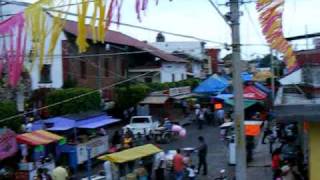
[119, 38]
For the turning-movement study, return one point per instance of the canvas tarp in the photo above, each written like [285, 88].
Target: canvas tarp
[131, 154]
[39, 137]
[213, 85]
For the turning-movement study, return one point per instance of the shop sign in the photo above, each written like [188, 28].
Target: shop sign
[179, 91]
[98, 147]
[8, 144]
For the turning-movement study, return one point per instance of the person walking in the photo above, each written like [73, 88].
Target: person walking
[202, 154]
[201, 119]
[160, 165]
[178, 165]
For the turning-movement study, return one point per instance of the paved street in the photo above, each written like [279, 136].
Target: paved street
[218, 157]
[217, 154]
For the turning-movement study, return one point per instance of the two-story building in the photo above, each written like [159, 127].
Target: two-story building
[51, 74]
[118, 58]
[298, 100]
[199, 62]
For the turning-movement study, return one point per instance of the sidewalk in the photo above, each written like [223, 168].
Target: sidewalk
[260, 167]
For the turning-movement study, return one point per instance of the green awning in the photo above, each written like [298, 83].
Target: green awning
[247, 103]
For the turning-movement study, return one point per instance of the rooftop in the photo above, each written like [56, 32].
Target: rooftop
[119, 38]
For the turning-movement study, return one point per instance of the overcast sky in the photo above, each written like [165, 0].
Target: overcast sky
[198, 18]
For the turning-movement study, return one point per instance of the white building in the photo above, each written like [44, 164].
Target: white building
[51, 76]
[192, 49]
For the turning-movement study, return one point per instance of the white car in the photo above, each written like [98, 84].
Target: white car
[142, 124]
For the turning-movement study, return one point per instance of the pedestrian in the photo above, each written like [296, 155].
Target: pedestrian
[178, 165]
[220, 116]
[191, 172]
[139, 140]
[184, 106]
[127, 141]
[59, 173]
[116, 139]
[107, 170]
[266, 133]
[160, 165]
[197, 112]
[202, 155]
[201, 119]
[275, 163]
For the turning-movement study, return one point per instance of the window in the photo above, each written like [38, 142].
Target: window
[173, 78]
[83, 69]
[106, 68]
[45, 74]
[182, 76]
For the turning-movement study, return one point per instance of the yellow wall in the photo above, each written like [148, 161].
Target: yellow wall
[314, 151]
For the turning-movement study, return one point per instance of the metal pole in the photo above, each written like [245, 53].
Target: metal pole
[89, 163]
[272, 78]
[241, 162]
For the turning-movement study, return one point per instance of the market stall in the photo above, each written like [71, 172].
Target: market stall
[86, 133]
[8, 149]
[37, 149]
[121, 160]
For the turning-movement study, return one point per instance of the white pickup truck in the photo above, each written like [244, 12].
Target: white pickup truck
[142, 124]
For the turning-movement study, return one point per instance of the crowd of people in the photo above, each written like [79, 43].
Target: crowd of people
[288, 160]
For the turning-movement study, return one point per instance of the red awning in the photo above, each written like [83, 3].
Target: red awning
[251, 92]
[39, 137]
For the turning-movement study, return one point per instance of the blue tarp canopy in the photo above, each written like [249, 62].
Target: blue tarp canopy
[262, 88]
[95, 122]
[224, 96]
[58, 124]
[246, 76]
[213, 85]
[63, 124]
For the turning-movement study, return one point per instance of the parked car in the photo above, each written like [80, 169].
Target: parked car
[142, 124]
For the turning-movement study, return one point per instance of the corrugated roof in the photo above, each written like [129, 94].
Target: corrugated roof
[119, 38]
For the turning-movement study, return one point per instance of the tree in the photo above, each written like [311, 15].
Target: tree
[85, 103]
[130, 95]
[8, 109]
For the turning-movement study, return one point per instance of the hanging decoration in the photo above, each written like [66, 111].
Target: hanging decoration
[35, 23]
[13, 28]
[270, 16]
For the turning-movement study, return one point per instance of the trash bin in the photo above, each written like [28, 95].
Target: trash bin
[232, 151]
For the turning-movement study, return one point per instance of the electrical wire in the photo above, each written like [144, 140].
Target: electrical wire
[76, 97]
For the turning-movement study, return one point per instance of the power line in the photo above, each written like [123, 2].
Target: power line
[73, 98]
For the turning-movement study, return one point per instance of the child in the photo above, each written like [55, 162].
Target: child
[191, 172]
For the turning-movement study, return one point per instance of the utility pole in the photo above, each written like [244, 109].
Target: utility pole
[241, 161]
[273, 74]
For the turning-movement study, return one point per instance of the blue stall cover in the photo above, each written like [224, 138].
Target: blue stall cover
[262, 87]
[213, 85]
[224, 96]
[246, 76]
[58, 124]
[95, 122]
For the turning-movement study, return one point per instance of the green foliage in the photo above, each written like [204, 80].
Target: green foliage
[8, 109]
[82, 104]
[130, 95]
[163, 86]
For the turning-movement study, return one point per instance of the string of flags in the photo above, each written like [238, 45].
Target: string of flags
[34, 25]
[270, 16]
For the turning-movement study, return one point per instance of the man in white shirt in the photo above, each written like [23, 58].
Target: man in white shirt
[160, 165]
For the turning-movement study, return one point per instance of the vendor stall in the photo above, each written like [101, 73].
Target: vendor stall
[37, 149]
[120, 159]
[87, 133]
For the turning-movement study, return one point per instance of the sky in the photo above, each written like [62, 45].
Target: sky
[198, 18]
